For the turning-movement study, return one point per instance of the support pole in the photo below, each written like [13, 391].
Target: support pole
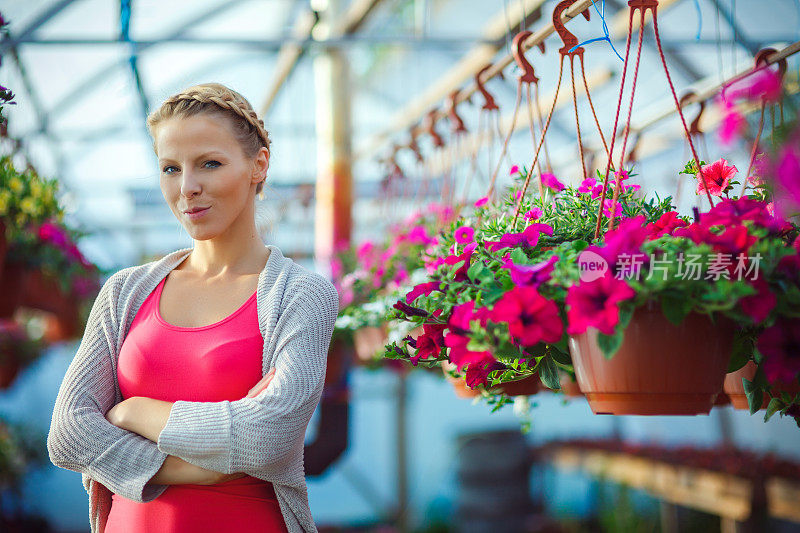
[333, 217]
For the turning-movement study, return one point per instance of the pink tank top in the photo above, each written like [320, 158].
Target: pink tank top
[221, 361]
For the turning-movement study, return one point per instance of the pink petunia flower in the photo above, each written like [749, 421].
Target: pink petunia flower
[529, 237]
[717, 176]
[551, 182]
[465, 235]
[665, 225]
[587, 185]
[514, 170]
[531, 318]
[482, 201]
[533, 275]
[534, 214]
[595, 304]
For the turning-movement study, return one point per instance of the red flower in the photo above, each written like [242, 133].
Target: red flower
[430, 343]
[780, 346]
[531, 318]
[665, 225]
[595, 304]
[717, 176]
[465, 313]
[478, 372]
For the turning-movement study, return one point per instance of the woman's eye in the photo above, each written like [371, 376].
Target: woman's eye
[213, 164]
[168, 169]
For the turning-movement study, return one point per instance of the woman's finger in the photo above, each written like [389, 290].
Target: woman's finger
[262, 384]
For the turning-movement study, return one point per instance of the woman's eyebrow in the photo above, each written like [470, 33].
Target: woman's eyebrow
[201, 156]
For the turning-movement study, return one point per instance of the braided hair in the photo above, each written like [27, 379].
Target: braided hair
[217, 99]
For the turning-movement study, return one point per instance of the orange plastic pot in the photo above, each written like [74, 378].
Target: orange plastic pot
[659, 369]
[369, 341]
[522, 387]
[734, 387]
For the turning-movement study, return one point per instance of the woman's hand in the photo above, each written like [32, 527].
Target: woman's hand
[216, 477]
[261, 385]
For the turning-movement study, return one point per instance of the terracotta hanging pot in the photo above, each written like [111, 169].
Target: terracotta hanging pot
[369, 341]
[522, 387]
[659, 369]
[11, 289]
[44, 293]
[734, 387]
[3, 246]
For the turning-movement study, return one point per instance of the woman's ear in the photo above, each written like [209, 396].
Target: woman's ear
[261, 164]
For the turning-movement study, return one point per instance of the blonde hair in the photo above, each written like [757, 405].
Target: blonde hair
[216, 99]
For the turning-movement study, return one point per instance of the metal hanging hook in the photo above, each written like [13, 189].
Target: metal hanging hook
[456, 124]
[430, 122]
[489, 104]
[528, 75]
[694, 127]
[567, 37]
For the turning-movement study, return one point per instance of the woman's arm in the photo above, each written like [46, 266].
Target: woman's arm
[148, 416]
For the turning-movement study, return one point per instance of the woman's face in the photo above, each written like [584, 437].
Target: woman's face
[204, 166]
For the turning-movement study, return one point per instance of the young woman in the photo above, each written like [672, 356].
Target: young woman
[186, 405]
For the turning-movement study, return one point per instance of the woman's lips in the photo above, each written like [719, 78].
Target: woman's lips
[198, 214]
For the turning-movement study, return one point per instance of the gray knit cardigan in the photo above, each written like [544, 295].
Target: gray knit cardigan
[262, 436]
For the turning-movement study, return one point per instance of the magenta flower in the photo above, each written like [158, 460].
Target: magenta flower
[465, 235]
[418, 235]
[481, 201]
[529, 237]
[732, 124]
[422, 289]
[625, 240]
[587, 185]
[531, 318]
[465, 313]
[759, 305]
[534, 214]
[780, 345]
[551, 182]
[514, 170]
[607, 208]
[533, 275]
[459, 354]
[787, 174]
[461, 273]
[762, 85]
[595, 304]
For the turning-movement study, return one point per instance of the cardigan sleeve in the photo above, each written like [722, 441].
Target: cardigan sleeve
[80, 437]
[264, 436]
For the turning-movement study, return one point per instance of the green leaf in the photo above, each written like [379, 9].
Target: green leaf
[742, 349]
[519, 257]
[675, 308]
[755, 396]
[610, 343]
[548, 373]
[560, 356]
[774, 406]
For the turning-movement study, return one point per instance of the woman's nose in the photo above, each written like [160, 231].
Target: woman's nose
[189, 184]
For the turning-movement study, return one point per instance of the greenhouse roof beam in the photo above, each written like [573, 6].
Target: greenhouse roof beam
[91, 81]
[11, 42]
[291, 51]
[739, 36]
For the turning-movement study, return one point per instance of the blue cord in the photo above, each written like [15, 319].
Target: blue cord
[699, 19]
[607, 37]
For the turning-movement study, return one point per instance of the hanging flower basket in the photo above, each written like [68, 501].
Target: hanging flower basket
[659, 369]
[734, 387]
[569, 387]
[11, 289]
[44, 293]
[522, 387]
